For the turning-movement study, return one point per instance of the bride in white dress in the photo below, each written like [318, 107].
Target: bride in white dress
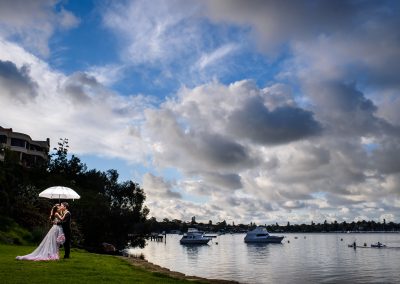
[50, 245]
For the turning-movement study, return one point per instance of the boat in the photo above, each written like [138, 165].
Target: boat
[261, 235]
[194, 237]
[353, 245]
[378, 245]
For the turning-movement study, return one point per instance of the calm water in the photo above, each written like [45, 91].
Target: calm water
[311, 258]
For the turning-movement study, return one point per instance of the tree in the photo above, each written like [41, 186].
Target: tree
[59, 161]
[108, 210]
[64, 168]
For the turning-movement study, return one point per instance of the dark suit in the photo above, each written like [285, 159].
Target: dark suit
[66, 225]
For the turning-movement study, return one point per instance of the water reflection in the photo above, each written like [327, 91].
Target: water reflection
[192, 252]
[257, 251]
[309, 258]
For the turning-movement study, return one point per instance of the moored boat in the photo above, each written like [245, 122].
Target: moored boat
[194, 237]
[261, 235]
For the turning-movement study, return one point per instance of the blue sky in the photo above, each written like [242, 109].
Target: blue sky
[244, 111]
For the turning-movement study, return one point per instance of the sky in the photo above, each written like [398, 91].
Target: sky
[243, 111]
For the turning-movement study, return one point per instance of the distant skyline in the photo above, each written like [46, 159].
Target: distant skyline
[244, 111]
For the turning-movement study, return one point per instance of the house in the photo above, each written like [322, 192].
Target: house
[28, 152]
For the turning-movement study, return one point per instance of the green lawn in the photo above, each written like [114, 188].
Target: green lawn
[82, 267]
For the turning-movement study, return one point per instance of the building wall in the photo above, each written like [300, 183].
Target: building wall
[30, 152]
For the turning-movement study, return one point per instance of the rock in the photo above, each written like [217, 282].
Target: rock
[109, 248]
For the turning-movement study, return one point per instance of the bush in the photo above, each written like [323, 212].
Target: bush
[38, 233]
[12, 233]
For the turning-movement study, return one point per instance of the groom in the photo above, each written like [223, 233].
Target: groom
[66, 225]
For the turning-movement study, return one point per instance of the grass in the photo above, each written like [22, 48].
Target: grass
[82, 267]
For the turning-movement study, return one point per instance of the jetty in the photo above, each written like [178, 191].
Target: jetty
[157, 237]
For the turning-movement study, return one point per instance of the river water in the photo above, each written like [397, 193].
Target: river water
[301, 258]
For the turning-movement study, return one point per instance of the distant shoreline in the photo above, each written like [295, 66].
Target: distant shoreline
[340, 232]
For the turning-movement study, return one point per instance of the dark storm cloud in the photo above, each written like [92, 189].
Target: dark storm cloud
[78, 86]
[335, 200]
[295, 194]
[281, 125]
[219, 150]
[346, 109]
[362, 36]
[386, 157]
[158, 186]
[275, 21]
[249, 204]
[346, 98]
[16, 82]
[302, 15]
[229, 181]
[172, 194]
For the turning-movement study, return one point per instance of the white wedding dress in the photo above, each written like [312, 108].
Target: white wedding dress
[49, 247]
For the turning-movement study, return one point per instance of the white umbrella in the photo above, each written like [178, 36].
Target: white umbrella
[59, 192]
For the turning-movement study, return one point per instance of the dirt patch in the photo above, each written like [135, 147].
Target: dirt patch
[144, 264]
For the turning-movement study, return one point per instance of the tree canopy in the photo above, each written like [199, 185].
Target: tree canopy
[108, 210]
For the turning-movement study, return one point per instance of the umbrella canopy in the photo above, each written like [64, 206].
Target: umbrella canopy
[59, 192]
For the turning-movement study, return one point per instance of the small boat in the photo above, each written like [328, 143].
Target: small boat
[261, 235]
[353, 245]
[194, 237]
[378, 245]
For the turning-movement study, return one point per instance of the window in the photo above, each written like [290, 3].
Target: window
[17, 142]
[3, 139]
[36, 148]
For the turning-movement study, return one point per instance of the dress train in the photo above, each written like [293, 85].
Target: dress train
[49, 247]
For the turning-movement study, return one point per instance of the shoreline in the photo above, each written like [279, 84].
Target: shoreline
[146, 265]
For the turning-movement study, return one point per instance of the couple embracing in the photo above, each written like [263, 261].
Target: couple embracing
[59, 233]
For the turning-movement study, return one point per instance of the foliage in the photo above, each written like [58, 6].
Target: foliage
[12, 233]
[360, 226]
[108, 210]
[19, 189]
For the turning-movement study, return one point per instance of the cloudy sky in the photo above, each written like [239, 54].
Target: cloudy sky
[244, 111]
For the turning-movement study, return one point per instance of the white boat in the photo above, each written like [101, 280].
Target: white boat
[261, 235]
[194, 237]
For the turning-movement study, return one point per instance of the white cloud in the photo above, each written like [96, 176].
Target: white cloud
[79, 107]
[215, 56]
[154, 32]
[33, 22]
[67, 19]
[171, 38]
[294, 149]
[107, 75]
